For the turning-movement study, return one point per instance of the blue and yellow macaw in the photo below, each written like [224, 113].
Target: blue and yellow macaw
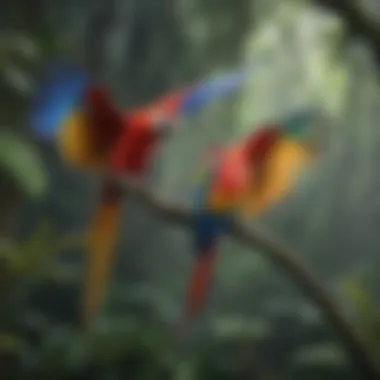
[247, 178]
[92, 134]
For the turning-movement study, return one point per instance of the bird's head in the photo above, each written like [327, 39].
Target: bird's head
[261, 142]
[297, 123]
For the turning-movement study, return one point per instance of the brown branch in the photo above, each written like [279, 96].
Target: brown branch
[282, 257]
[358, 23]
[171, 213]
[291, 264]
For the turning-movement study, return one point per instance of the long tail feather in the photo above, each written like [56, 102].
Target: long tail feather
[198, 285]
[101, 241]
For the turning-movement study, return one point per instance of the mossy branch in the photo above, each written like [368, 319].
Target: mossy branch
[281, 256]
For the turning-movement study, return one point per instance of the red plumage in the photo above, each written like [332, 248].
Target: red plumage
[128, 142]
[128, 139]
[135, 147]
[259, 143]
[197, 287]
[105, 120]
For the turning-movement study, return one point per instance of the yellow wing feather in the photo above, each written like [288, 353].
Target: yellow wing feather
[288, 158]
[75, 142]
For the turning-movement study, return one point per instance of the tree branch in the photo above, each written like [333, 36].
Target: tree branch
[282, 257]
[361, 25]
[357, 21]
[289, 262]
[170, 213]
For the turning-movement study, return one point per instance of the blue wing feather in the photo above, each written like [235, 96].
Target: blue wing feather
[208, 91]
[208, 227]
[59, 93]
[203, 93]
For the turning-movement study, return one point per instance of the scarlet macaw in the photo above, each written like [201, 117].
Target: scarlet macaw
[91, 133]
[248, 178]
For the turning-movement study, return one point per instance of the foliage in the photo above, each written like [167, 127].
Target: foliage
[30, 260]
[20, 263]
[10, 343]
[366, 309]
[18, 55]
[22, 161]
[125, 346]
[34, 256]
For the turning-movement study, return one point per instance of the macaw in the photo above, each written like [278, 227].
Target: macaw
[247, 177]
[92, 134]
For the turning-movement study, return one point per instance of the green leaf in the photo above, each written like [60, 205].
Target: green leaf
[37, 249]
[10, 343]
[357, 293]
[235, 327]
[23, 162]
[18, 80]
[55, 351]
[366, 309]
[111, 340]
[25, 47]
[322, 354]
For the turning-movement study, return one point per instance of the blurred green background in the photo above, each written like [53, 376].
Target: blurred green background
[257, 324]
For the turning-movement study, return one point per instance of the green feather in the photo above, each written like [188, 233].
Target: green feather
[298, 123]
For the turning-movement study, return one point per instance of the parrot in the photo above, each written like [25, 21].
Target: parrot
[90, 133]
[246, 177]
